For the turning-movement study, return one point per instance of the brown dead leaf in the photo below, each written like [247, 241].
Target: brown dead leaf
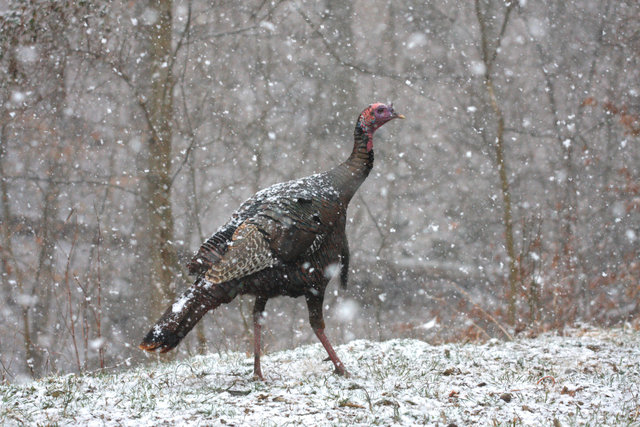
[350, 405]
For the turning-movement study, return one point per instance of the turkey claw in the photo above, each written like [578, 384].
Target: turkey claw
[342, 372]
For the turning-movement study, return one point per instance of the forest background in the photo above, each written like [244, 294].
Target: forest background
[508, 202]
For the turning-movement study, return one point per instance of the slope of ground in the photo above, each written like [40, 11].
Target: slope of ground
[590, 377]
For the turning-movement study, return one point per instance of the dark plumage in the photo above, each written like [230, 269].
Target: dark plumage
[287, 239]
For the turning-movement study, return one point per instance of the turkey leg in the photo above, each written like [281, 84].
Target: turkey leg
[258, 318]
[314, 303]
[340, 370]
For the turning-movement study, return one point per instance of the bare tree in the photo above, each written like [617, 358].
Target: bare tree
[158, 110]
[489, 48]
[130, 130]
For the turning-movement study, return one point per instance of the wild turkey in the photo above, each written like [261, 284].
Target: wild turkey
[288, 239]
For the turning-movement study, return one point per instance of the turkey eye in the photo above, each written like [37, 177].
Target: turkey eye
[380, 110]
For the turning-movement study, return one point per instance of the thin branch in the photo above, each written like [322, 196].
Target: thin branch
[118, 71]
[503, 28]
[226, 33]
[70, 182]
[383, 236]
[489, 59]
[363, 68]
[72, 330]
[184, 35]
[507, 212]
[482, 310]
[191, 133]
[99, 302]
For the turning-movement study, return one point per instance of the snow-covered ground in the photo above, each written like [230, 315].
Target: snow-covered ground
[590, 377]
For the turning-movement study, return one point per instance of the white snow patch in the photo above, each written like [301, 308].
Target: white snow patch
[537, 28]
[589, 377]
[17, 97]
[332, 270]
[416, 40]
[430, 324]
[477, 68]
[149, 16]
[178, 306]
[269, 26]
[347, 310]
[97, 343]
[26, 300]
[27, 54]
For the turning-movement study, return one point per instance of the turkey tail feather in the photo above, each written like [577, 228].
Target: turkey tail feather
[182, 316]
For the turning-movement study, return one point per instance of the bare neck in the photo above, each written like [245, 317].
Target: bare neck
[351, 173]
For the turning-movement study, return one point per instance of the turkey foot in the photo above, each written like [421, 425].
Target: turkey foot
[340, 370]
[257, 372]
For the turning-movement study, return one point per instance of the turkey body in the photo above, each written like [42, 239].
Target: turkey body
[287, 240]
[303, 224]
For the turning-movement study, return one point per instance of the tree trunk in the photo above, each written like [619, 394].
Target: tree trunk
[159, 109]
[488, 57]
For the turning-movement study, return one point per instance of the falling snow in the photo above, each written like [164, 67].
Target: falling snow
[507, 200]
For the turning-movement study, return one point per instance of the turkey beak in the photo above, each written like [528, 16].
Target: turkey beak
[398, 116]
